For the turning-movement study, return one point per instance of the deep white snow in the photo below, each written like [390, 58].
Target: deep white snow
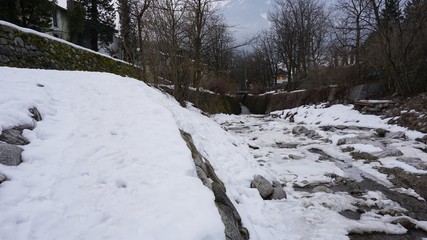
[108, 162]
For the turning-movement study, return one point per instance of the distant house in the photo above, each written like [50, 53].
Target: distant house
[60, 27]
[282, 76]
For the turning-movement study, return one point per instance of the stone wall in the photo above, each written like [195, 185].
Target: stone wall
[260, 104]
[211, 103]
[25, 48]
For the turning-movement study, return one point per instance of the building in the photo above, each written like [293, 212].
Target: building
[60, 26]
[282, 76]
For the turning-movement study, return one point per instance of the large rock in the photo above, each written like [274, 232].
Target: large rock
[364, 156]
[35, 114]
[3, 178]
[10, 155]
[287, 145]
[278, 192]
[298, 130]
[301, 130]
[264, 187]
[13, 136]
[381, 132]
[396, 135]
[229, 215]
[322, 189]
[390, 152]
[423, 139]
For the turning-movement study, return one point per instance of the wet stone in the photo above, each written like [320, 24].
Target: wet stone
[381, 132]
[347, 149]
[396, 135]
[341, 127]
[286, 145]
[364, 156]
[322, 189]
[13, 136]
[350, 214]
[390, 152]
[264, 187]
[294, 157]
[10, 155]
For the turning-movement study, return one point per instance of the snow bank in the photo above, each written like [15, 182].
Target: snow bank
[106, 162]
[342, 115]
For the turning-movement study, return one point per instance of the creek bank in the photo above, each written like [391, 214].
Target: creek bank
[234, 229]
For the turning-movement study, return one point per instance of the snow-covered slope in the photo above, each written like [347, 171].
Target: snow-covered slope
[106, 162]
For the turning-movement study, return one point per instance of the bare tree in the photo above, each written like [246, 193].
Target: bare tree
[170, 35]
[397, 46]
[267, 48]
[198, 14]
[351, 28]
[301, 34]
[218, 47]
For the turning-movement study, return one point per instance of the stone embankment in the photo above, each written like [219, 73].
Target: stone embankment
[25, 48]
[234, 229]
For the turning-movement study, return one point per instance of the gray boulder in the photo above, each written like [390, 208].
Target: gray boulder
[322, 189]
[390, 152]
[347, 149]
[10, 155]
[396, 135]
[381, 132]
[264, 187]
[13, 136]
[229, 215]
[341, 127]
[287, 145]
[294, 157]
[364, 156]
[35, 114]
[3, 178]
[278, 192]
[298, 130]
[342, 141]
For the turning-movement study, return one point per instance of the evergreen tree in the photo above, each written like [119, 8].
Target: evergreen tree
[9, 11]
[391, 12]
[35, 14]
[99, 23]
[76, 16]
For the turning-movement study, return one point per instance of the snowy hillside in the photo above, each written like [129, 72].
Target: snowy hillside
[107, 161]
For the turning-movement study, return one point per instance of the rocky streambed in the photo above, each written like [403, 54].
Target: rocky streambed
[379, 174]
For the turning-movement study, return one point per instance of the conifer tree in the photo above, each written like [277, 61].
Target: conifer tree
[99, 26]
[35, 14]
[391, 12]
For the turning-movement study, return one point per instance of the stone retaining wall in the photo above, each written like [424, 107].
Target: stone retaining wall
[25, 48]
[266, 103]
[260, 104]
